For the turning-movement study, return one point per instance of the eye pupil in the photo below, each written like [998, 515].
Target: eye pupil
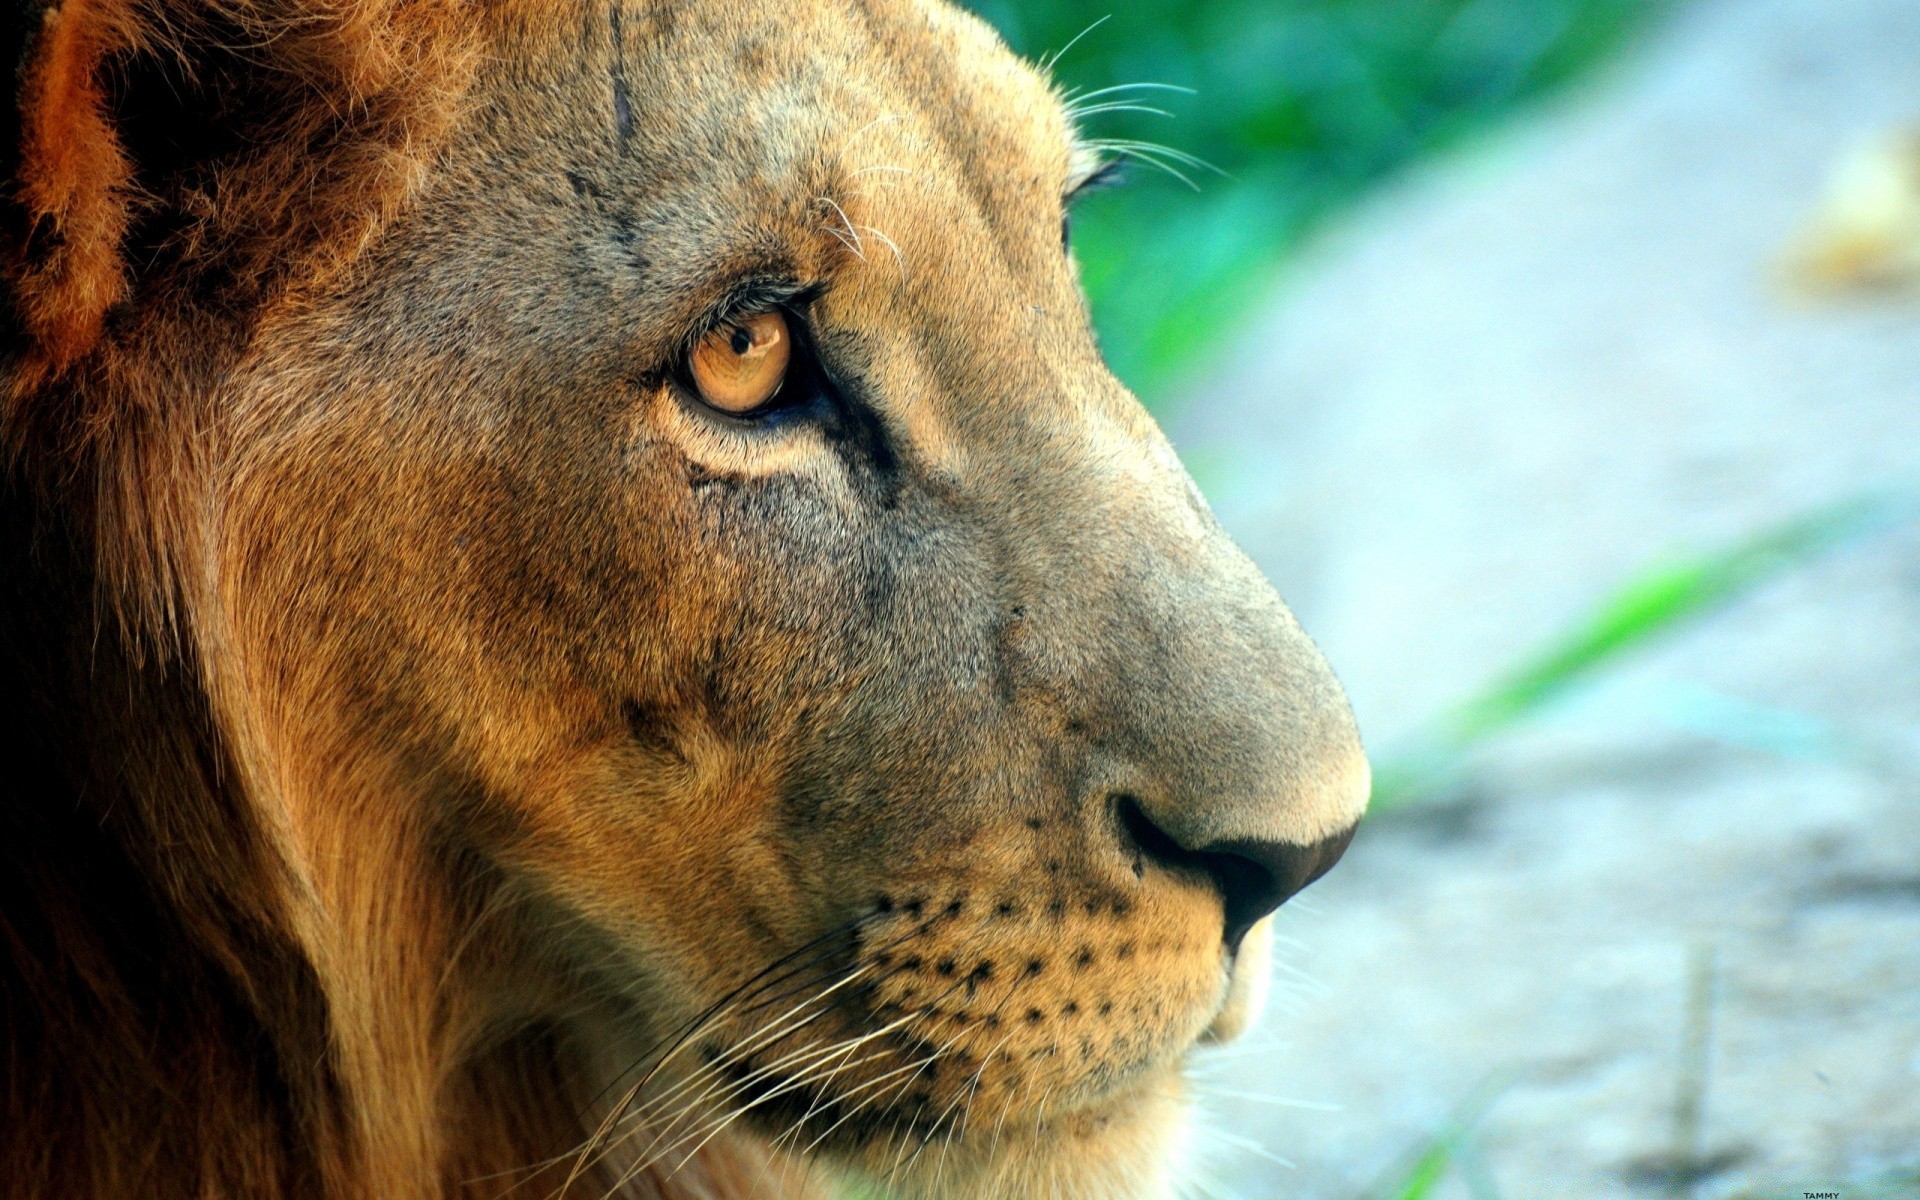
[741, 341]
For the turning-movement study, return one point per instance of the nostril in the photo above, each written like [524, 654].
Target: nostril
[1148, 839]
[1252, 877]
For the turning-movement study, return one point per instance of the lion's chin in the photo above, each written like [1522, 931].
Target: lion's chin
[1130, 1148]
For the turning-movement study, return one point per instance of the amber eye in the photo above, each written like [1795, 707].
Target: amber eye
[739, 366]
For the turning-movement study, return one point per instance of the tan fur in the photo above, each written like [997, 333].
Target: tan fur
[454, 762]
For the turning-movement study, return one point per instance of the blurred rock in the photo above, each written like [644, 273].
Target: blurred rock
[1488, 400]
[1867, 232]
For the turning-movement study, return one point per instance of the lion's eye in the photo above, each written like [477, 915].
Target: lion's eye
[740, 366]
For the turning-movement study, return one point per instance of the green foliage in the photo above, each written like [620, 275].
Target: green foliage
[1427, 1171]
[1647, 607]
[1301, 103]
[1450, 1147]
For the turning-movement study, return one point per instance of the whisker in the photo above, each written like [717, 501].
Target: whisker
[810, 1074]
[690, 1028]
[1048, 62]
[855, 245]
[842, 238]
[1039, 1111]
[1094, 110]
[713, 1127]
[932, 1130]
[882, 119]
[993, 1146]
[1077, 97]
[712, 1074]
[795, 1128]
[775, 983]
[1210, 1188]
[1276, 1101]
[1254, 1148]
[588, 1153]
[931, 1058]
[1168, 152]
[663, 1130]
[809, 1053]
[899, 259]
[971, 1092]
[793, 1085]
[799, 1081]
[858, 1108]
[723, 1007]
[1163, 158]
[783, 970]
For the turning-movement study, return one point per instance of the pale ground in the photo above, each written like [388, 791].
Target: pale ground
[1473, 411]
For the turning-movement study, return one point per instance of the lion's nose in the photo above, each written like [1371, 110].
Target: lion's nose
[1257, 877]
[1253, 877]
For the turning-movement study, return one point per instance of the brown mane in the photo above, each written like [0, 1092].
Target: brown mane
[180, 174]
[178, 171]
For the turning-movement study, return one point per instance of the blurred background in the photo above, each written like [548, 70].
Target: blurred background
[1560, 362]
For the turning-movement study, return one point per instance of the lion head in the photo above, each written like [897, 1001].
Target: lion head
[587, 579]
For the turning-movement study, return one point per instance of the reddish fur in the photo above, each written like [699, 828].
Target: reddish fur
[340, 104]
[75, 178]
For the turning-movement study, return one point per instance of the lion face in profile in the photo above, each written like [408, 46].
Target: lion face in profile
[704, 640]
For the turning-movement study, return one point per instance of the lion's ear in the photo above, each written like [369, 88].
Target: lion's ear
[170, 152]
[73, 181]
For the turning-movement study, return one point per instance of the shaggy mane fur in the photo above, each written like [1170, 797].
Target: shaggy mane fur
[178, 174]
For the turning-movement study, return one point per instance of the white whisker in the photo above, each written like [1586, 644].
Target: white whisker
[586, 1155]
[792, 1085]
[768, 1033]
[1254, 1148]
[859, 250]
[1093, 110]
[1277, 1101]
[882, 119]
[1080, 97]
[1048, 62]
[899, 259]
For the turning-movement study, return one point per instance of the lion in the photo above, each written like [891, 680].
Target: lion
[584, 618]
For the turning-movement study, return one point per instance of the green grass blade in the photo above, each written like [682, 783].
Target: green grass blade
[1430, 1165]
[1427, 1171]
[1648, 607]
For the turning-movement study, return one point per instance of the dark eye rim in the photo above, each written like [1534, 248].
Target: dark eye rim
[1109, 174]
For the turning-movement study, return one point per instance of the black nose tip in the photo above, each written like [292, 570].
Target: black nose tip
[1253, 877]
[1258, 877]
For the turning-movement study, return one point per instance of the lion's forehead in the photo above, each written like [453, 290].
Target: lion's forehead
[908, 108]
